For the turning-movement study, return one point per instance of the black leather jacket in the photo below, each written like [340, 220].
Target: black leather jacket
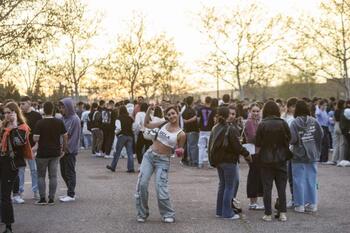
[272, 137]
[224, 145]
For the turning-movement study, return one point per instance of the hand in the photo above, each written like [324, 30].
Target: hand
[179, 152]
[249, 158]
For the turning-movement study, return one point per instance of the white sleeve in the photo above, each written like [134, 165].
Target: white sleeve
[118, 126]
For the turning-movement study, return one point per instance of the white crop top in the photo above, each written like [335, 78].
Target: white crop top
[168, 138]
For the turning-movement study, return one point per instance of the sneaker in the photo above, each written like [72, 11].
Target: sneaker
[236, 201]
[235, 217]
[283, 217]
[42, 201]
[140, 220]
[299, 209]
[267, 218]
[169, 220]
[329, 163]
[256, 206]
[98, 155]
[110, 168]
[311, 208]
[108, 156]
[67, 199]
[8, 230]
[51, 201]
[290, 204]
[17, 200]
[82, 148]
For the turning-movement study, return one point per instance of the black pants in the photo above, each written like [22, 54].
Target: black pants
[325, 145]
[277, 173]
[290, 177]
[254, 183]
[142, 145]
[7, 178]
[108, 138]
[67, 165]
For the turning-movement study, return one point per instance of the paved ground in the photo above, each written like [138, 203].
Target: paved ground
[106, 204]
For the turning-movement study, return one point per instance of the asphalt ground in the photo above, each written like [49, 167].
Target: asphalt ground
[105, 203]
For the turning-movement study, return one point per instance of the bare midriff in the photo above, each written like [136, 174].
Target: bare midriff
[159, 148]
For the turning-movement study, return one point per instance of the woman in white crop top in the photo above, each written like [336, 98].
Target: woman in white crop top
[156, 160]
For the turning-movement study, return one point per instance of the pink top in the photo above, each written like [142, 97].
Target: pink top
[250, 130]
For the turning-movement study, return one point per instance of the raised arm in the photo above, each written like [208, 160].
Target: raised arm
[147, 123]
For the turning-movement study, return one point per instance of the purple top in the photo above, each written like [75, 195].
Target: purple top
[250, 130]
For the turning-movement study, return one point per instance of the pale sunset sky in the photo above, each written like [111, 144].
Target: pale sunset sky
[177, 18]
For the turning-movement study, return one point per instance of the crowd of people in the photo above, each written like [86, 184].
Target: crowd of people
[282, 141]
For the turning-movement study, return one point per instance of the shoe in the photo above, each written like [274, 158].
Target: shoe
[235, 217]
[256, 206]
[82, 148]
[169, 220]
[329, 163]
[218, 216]
[310, 208]
[108, 156]
[17, 200]
[130, 171]
[42, 201]
[110, 168]
[98, 154]
[290, 204]
[283, 217]
[299, 209]
[36, 196]
[140, 220]
[267, 218]
[67, 199]
[51, 201]
[236, 201]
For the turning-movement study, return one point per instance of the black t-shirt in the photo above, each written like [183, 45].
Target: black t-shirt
[32, 118]
[206, 118]
[126, 125]
[337, 114]
[188, 114]
[50, 131]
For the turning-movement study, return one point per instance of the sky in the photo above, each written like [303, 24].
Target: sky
[177, 18]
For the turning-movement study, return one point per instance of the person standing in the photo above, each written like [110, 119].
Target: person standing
[108, 129]
[206, 122]
[68, 161]
[306, 139]
[323, 119]
[124, 132]
[47, 134]
[171, 139]
[272, 142]
[142, 144]
[224, 151]
[339, 140]
[254, 182]
[15, 147]
[94, 124]
[86, 132]
[32, 117]
[192, 131]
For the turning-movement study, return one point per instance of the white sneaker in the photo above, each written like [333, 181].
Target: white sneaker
[67, 199]
[299, 209]
[267, 218]
[36, 196]
[311, 208]
[108, 156]
[98, 154]
[169, 220]
[283, 217]
[329, 163]
[235, 217]
[140, 220]
[17, 200]
[82, 148]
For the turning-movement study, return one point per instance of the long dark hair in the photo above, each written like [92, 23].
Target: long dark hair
[301, 109]
[222, 114]
[271, 109]
[123, 111]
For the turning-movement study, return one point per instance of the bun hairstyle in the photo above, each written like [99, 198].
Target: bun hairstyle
[222, 114]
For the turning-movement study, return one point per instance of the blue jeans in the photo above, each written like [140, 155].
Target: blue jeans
[127, 142]
[158, 164]
[304, 183]
[236, 182]
[87, 140]
[192, 147]
[33, 174]
[226, 172]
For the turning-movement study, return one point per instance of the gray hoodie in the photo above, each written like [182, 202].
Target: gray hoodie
[73, 127]
[306, 139]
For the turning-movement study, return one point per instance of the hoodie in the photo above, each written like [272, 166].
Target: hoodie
[306, 139]
[72, 124]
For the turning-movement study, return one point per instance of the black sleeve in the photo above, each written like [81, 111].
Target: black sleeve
[259, 135]
[287, 133]
[37, 127]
